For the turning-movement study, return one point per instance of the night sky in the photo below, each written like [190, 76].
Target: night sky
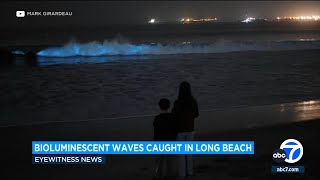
[104, 13]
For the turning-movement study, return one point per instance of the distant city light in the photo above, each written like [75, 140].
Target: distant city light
[152, 21]
[190, 20]
[252, 19]
[300, 18]
[249, 19]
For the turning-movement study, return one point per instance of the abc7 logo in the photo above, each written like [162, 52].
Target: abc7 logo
[279, 155]
[291, 151]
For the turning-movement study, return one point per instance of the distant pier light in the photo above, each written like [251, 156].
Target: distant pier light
[201, 20]
[252, 19]
[152, 21]
[249, 19]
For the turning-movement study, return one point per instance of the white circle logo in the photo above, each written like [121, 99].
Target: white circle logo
[293, 149]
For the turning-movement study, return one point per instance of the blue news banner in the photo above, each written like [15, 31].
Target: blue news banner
[93, 152]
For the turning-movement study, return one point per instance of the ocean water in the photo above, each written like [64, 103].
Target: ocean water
[101, 74]
[163, 39]
[82, 91]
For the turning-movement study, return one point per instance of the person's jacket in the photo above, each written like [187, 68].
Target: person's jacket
[185, 111]
[164, 127]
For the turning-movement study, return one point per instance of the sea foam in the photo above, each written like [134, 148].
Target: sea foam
[111, 48]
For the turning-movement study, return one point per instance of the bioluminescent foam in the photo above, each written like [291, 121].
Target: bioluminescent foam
[108, 48]
[18, 52]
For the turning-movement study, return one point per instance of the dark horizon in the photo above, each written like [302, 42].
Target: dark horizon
[139, 12]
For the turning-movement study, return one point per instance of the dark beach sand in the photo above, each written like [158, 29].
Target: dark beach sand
[16, 151]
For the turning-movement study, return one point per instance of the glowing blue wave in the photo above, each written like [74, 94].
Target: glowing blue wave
[115, 48]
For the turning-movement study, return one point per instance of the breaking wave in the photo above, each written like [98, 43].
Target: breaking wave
[111, 48]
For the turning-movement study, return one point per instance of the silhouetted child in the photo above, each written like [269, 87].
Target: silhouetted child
[164, 130]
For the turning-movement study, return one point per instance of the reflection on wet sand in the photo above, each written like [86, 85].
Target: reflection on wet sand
[258, 116]
[306, 110]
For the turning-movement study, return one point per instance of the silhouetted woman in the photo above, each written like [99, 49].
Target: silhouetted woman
[185, 110]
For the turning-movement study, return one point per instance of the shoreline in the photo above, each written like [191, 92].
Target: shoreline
[218, 120]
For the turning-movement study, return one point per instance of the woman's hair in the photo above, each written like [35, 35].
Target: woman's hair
[185, 91]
